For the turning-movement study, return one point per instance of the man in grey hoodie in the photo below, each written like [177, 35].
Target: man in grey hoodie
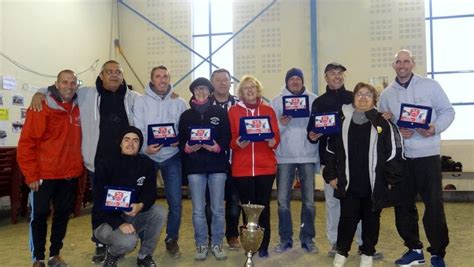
[295, 153]
[423, 168]
[158, 106]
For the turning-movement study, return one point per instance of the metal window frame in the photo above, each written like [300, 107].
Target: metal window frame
[433, 72]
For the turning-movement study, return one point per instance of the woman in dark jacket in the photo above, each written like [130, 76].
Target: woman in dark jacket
[364, 167]
[205, 164]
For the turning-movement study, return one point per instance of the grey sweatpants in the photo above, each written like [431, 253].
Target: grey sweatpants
[148, 226]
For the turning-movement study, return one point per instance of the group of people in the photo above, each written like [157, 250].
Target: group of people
[369, 162]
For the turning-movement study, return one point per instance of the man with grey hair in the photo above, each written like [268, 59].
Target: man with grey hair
[422, 149]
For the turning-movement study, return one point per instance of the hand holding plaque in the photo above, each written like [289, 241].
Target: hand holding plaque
[326, 123]
[295, 106]
[118, 198]
[414, 116]
[201, 135]
[163, 134]
[255, 129]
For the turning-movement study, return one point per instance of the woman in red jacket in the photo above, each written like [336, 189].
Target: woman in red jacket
[254, 163]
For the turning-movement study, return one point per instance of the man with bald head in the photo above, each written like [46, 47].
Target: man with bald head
[423, 166]
[49, 156]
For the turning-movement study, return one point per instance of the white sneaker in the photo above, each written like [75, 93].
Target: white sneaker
[366, 261]
[339, 260]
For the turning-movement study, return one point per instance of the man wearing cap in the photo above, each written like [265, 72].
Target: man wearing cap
[158, 106]
[124, 172]
[295, 153]
[422, 150]
[332, 100]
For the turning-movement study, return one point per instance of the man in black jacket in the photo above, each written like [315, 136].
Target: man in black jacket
[332, 100]
[117, 228]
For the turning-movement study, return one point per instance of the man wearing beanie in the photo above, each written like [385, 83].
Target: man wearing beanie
[120, 230]
[295, 153]
[158, 106]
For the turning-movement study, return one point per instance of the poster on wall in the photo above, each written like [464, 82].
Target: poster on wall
[18, 100]
[8, 82]
[4, 114]
[23, 114]
[17, 126]
[3, 132]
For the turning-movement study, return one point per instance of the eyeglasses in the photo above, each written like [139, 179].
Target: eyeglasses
[110, 72]
[202, 88]
[360, 95]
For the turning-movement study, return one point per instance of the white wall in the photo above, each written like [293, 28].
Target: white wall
[48, 36]
[51, 35]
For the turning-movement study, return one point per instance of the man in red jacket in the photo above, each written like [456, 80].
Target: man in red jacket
[49, 155]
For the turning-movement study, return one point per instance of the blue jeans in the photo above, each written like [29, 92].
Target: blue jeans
[285, 178]
[172, 177]
[197, 187]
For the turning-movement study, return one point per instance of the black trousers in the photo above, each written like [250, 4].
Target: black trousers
[61, 194]
[353, 210]
[423, 177]
[257, 190]
[232, 209]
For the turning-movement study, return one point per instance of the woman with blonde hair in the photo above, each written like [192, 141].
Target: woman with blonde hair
[254, 163]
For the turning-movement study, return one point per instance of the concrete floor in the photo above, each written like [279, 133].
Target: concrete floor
[78, 248]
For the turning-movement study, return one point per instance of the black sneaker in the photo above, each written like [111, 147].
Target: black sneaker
[99, 255]
[172, 248]
[111, 260]
[146, 262]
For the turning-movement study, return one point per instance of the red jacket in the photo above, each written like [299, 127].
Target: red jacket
[50, 142]
[256, 158]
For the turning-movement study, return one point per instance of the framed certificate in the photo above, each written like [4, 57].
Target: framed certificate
[201, 135]
[296, 106]
[256, 128]
[414, 116]
[163, 134]
[326, 123]
[118, 198]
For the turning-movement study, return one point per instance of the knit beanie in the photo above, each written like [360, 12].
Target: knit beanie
[293, 72]
[135, 130]
[201, 81]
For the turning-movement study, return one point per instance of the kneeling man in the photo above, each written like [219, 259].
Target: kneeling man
[124, 197]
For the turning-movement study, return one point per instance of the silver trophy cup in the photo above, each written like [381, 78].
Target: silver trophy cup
[251, 235]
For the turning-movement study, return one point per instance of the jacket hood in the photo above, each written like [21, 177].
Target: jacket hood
[53, 98]
[100, 86]
[150, 92]
[285, 91]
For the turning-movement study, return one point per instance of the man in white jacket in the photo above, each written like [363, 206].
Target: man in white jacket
[295, 152]
[158, 106]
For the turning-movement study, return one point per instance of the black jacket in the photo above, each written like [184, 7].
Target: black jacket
[203, 161]
[113, 120]
[387, 167]
[135, 172]
[330, 101]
